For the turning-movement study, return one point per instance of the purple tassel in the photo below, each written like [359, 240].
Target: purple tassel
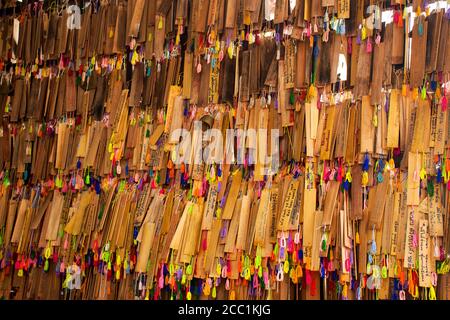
[358, 38]
[97, 187]
[439, 176]
[447, 14]
[346, 185]
[386, 106]
[365, 166]
[316, 51]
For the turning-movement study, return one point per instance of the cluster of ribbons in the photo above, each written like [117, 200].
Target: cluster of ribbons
[100, 199]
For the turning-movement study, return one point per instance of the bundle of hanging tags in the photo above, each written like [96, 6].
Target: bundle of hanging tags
[325, 125]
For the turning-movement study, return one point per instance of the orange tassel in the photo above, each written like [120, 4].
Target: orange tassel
[169, 164]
